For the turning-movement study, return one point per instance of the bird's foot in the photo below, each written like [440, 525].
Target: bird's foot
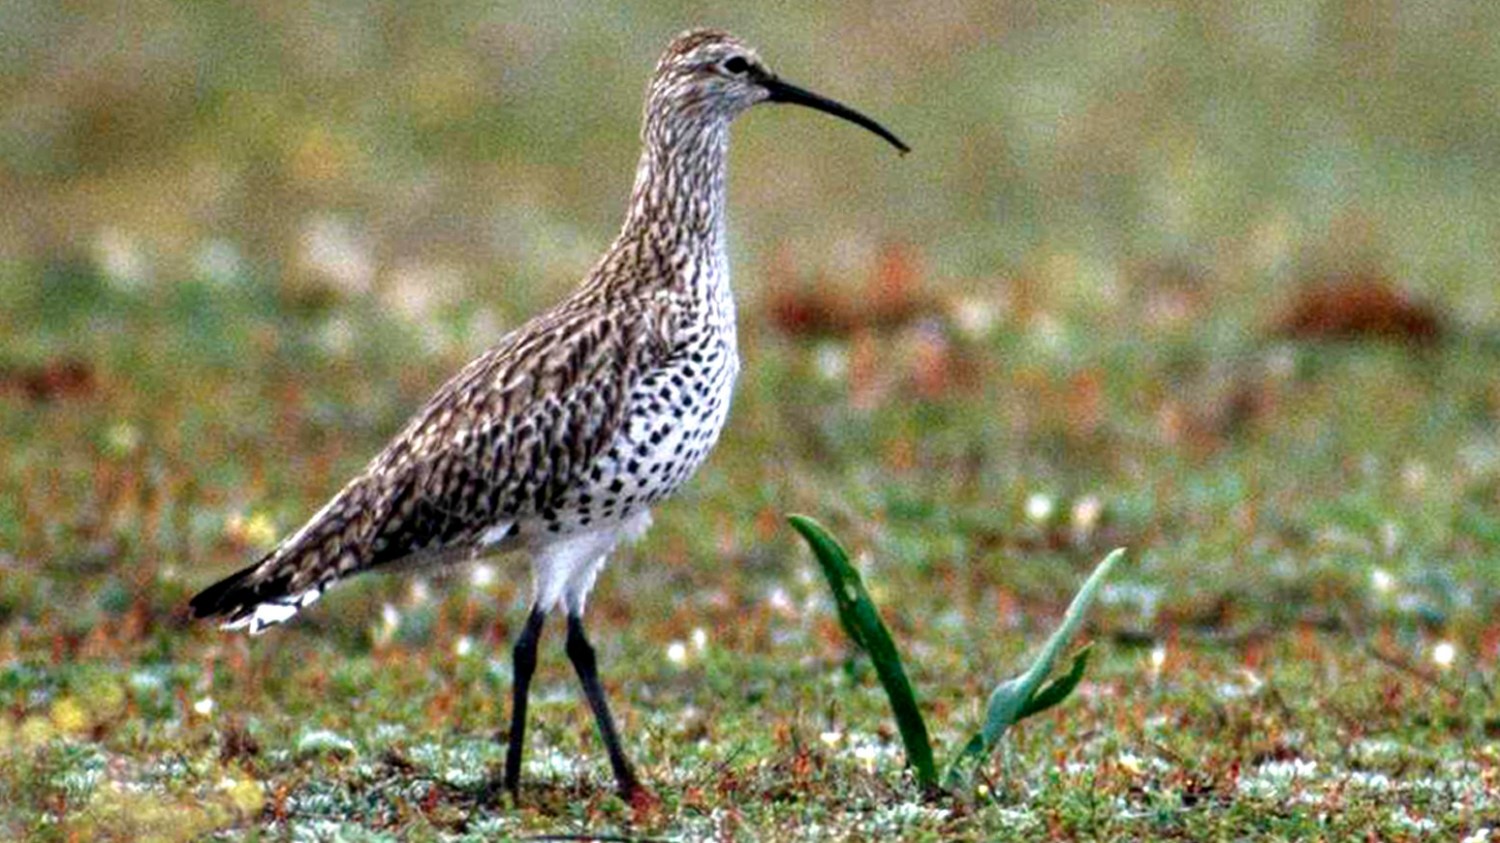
[498, 790]
[644, 804]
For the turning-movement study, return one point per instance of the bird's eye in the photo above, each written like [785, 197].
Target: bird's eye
[737, 65]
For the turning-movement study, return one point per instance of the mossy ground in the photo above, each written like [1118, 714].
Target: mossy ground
[1266, 661]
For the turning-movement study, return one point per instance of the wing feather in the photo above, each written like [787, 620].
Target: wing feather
[503, 439]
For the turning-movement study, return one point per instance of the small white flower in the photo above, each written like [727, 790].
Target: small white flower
[1382, 581]
[700, 639]
[1401, 817]
[1444, 653]
[390, 620]
[975, 317]
[1086, 512]
[831, 361]
[204, 707]
[1370, 748]
[1370, 781]
[1236, 691]
[780, 601]
[1281, 362]
[120, 257]
[831, 738]
[1276, 778]
[1015, 819]
[677, 653]
[463, 646]
[1158, 659]
[333, 249]
[1253, 682]
[482, 575]
[1039, 507]
[323, 740]
[122, 438]
[1414, 475]
[420, 592]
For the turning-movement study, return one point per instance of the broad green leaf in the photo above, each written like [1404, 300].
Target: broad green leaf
[862, 623]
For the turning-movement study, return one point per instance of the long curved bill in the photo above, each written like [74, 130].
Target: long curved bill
[789, 93]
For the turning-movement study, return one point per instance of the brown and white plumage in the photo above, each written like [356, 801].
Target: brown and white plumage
[495, 452]
[559, 439]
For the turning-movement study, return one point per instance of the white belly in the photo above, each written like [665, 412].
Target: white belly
[674, 419]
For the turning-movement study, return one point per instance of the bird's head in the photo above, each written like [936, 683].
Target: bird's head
[708, 74]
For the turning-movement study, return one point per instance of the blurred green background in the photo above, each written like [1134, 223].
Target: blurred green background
[1212, 281]
[490, 146]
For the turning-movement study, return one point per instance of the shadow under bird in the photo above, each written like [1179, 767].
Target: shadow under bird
[559, 439]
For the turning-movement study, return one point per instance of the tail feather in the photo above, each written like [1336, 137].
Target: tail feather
[248, 600]
[373, 522]
[295, 575]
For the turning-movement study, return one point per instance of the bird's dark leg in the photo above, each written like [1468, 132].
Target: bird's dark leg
[581, 653]
[523, 662]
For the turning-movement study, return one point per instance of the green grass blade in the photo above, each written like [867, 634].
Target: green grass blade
[1017, 698]
[862, 623]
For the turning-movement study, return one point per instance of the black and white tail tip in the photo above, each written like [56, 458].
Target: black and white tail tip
[243, 609]
[266, 614]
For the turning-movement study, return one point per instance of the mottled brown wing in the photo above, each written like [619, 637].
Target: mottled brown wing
[505, 437]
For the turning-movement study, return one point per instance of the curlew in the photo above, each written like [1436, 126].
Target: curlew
[559, 439]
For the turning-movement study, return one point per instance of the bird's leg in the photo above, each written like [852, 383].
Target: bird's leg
[581, 653]
[523, 661]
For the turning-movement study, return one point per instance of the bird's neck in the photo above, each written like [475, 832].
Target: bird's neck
[674, 234]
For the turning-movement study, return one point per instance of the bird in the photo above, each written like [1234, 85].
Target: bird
[559, 439]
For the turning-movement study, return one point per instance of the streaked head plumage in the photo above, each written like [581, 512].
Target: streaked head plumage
[710, 66]
[708, 77]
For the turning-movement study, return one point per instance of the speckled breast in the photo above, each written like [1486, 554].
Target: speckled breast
[674, 418]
